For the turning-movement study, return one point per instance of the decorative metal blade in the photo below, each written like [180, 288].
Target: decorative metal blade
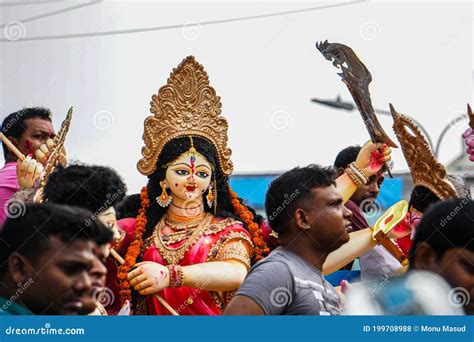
[55, 154]
[357, 78]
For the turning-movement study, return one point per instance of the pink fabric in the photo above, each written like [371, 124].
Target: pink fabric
[203, 302]
[469, 141]
[8, 186]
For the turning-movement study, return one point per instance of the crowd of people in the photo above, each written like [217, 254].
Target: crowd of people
[73, 242]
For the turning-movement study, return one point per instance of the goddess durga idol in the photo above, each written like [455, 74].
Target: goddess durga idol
[193, 241]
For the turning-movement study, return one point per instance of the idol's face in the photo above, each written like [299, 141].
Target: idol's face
[109, 218]
[188, 177]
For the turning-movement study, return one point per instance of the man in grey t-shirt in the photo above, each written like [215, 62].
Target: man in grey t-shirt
[306, 209]
[285, 284]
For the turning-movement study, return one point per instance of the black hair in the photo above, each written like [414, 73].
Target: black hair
[14, 124]
[447, 224]
[347, 156]
[128, 207]
[27, 232]
[421, 198]
[287, 192]
[95, 188]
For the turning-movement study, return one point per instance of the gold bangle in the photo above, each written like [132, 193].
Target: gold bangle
[359, 172]
[176, 275]
[353, 177]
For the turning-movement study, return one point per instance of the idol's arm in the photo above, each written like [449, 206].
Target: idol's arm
[345, 186]
[360, 242]
[215, 275]
[227, 274]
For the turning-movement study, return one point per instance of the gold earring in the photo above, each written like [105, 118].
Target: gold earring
[209, 197]
[164, 199]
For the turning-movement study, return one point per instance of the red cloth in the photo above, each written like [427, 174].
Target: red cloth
[358, 220]
[186, 300]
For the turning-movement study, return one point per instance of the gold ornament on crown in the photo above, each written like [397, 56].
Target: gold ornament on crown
[186, 106]
[424, 167]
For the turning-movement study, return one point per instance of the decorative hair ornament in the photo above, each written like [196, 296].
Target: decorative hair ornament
[186, 106]
[425, 169]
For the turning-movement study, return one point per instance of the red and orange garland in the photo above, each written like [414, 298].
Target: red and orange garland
[260, 247]
[133, 250]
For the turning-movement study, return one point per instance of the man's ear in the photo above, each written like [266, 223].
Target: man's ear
[301, 219]
[425, 258]
[19, 268]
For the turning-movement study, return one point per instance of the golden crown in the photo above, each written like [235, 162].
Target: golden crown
[424, 167]
[186, 106]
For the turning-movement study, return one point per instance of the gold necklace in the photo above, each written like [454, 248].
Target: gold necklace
[172, 238]
[181, 225]
[174, 255]
[178, 222]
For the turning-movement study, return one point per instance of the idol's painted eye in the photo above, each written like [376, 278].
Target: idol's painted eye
[202, 174]
[182, 172]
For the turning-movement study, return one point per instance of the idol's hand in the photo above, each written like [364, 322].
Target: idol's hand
[149, 277]
[43, 152]
[370, 159]
[469, 141]
[27, 172]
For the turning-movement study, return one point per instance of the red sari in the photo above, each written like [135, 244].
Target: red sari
[204, 247]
